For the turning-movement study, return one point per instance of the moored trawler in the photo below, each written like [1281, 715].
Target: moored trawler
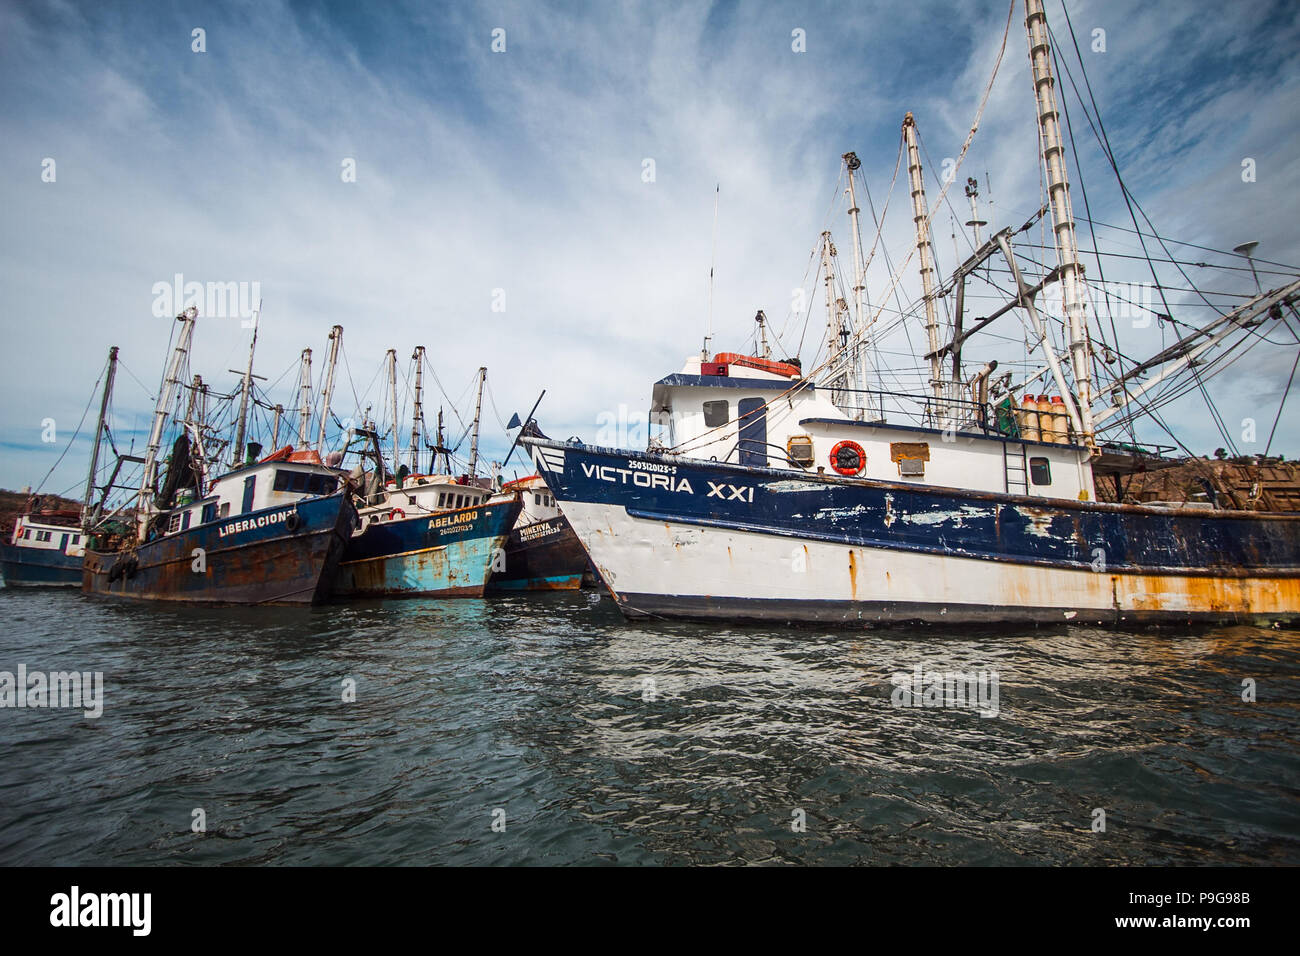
[267, 531]
[271, 532]
[430, 535]
[771, 494]
[44, 550]
[541, 552]
[807, 524]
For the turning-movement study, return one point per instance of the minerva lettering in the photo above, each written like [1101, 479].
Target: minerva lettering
[248, 524]
[639, 478]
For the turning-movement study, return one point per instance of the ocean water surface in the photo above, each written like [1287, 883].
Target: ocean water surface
[544, 729]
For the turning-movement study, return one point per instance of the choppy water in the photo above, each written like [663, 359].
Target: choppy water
[607, 742]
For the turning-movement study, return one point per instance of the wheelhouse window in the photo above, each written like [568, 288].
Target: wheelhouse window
[209, 513]
[1040, 471]
[716, 413]
[304, 483]
[225, 509]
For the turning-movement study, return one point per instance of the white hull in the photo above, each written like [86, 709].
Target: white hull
[679, 569]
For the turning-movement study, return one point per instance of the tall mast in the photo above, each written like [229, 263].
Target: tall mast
[196, 418]
[392, 389]
[837, 335]
[417, 412]
[99, 434]
[166, 394]
[920, 215]
[304, 397]
[1074, 292]
[478, 408]
[237, 453]
[852, 164]
[828, 277]
[336, 337]
[275, 427]
[713, 261]
[440, 450]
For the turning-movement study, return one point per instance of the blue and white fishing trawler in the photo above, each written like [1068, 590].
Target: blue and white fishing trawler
[267, 531]
[541, 552]
[775, 495]
[44, 550]
[431, 535]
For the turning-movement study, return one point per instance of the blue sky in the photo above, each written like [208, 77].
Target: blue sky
[522, 171]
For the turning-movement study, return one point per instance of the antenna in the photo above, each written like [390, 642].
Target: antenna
[1247, 249]
[713, 259]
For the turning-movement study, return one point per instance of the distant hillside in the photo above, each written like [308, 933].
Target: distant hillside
[14, 503]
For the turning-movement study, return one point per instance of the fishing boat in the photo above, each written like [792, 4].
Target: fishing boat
[425, 534]
[542, 553]
[44, 549]
[775, 494]
[47, 545]
[266, 531]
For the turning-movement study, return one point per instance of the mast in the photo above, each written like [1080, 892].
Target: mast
[166, 394]
[392, 391]
[852, 163]
[713, 261]
[478, 408]
[304, 396]
[275, 427]
[336, 337]
[1074, 292]
[920, 215]
[99, 434]
[828, 277]
[837, 333]
[440, 449]
[417, 412]
[237, 452]
[764, 349]
[196, 417]
[972, 193]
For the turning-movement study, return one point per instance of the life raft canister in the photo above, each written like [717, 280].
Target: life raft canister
[848, 458]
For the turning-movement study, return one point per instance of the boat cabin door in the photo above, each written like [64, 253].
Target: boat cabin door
[753, 431]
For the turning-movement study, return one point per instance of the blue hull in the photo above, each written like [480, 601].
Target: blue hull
[450, 554]
[32, 567]
[682, 537]
[263, 557]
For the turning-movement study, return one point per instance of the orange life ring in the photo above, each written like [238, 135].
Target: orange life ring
[395, 514]
[845, 466]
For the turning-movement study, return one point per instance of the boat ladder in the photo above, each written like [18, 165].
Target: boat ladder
[1015, 468]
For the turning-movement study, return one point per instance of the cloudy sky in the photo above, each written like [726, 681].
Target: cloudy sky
[501, 212]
